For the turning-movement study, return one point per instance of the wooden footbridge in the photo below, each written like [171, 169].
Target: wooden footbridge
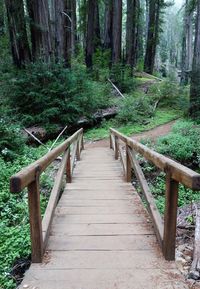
[96, 234]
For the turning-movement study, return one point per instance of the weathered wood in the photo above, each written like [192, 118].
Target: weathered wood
[73, 157]
[128, 165]
[53, 200]
[68, 168]
[116, 144]
[78, 150]
[178, 172]
[170, 217]
[122, 158]
[27, 175]
[35, 220]
[155, 215]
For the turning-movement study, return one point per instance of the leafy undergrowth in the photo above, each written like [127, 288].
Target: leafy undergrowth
[161, 116]
[14, 225]
[183, 145]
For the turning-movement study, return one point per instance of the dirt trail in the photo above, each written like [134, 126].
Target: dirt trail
[152, 134]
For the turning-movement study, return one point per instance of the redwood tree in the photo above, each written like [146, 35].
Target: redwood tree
[17, 31]
[108, 16]
[116, 31]
[41, 36]
[131, 32]
[195, 75]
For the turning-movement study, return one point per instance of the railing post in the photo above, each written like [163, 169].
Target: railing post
[68, 168]
[35, 220]
[110, 138]
[170, 218]
[128, 165]
[82, 142]
[78, 155]
[116, 148]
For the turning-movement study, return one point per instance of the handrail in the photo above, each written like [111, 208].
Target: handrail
[30, 177]
[175, 174]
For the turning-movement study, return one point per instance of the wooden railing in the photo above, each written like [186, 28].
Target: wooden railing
[175, 174]
[30, 177]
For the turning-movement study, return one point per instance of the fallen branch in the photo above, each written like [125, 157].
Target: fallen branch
[60, 134]
[35, 138]
[117, 89]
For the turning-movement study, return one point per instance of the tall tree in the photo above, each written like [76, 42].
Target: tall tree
[93, 32]
[195, 75]
[131, 32]
[187, 44]
[17, 31]
[108, 16]
[41, 36]
[116, 31]
[73, 27]
[60, 35]
[152, 37]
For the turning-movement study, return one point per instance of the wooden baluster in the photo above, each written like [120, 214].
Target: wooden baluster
[35, 220]
[82, 142]
[111, 141]
[170, 218]
[128, 165]
[116, 148]
[78, 156]
[68, 167]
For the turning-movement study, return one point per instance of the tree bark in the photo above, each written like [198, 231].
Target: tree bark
[116, 31]
[93, 32]
[17, 31]
[74, 27]
[107, 41]
[131, 31]
[195, 75]
[60, 37]
[187, 53]
[152, 38]
[41, 35]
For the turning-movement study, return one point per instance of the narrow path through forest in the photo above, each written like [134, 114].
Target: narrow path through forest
[152, 134]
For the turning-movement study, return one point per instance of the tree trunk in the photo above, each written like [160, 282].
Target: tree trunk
[187, 53]
[116, 31]
[60, 20]
[17, 31]
[152, 39]
[107, 42]
[195, 75]
[73, 28]
[41, 35]
[131, 30]
[93, 32]
[68, 33]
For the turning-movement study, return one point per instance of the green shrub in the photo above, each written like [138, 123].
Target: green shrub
[11, 140]
[182, 144]
[135, 109]
[171, 94]
[44, 95]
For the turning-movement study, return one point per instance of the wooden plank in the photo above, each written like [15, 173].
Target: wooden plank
[101, 229]
[170, 218]
[53, 200]
[155, 215]
[101, 219]
[128, 166]
[73, 156]
[99, 210]
[110, 243]
[105, 279]
[108, 260]
[98, 203]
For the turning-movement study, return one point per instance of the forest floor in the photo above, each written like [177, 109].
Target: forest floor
[151, 134]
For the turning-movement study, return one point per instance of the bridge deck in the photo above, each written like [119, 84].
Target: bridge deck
[101, 236]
